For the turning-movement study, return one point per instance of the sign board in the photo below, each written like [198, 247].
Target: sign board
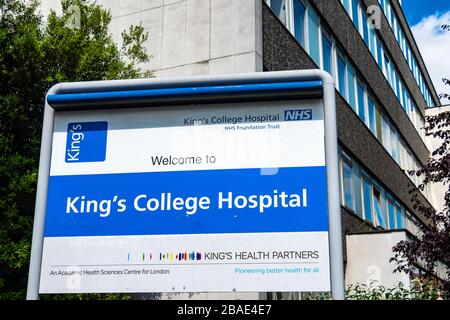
[211, 197]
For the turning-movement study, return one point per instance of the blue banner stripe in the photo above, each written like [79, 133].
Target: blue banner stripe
[188, 202]
[184, 92]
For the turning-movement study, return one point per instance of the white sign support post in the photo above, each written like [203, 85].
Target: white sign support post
[150, 186]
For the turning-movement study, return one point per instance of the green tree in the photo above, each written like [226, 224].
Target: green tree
[34, 55]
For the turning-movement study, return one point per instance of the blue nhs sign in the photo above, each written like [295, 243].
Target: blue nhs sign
[297, 115]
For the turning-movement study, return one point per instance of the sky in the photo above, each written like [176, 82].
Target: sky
[425, 18]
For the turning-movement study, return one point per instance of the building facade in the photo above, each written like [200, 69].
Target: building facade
[383, 90]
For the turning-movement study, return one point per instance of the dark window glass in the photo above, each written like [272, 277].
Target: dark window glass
[349, 194]
[279, 8]
[341, 74]
[378, 209]
[314, 51]
[367, 198]
[299, 21]
[400, 218]
[372, 122]
[351, 86]
[380, 54]
[361, 102]
[355, 13]
[391, 209]
[365, 26]
[327, 56]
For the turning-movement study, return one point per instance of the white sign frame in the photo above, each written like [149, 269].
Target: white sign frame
[288, 77]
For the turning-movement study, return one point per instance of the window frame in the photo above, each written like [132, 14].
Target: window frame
[360, 83]
[365, 178]
[390, 201]
[375, 187]
[325, 35]
[346, 160]
[305, 23]
[338, 80]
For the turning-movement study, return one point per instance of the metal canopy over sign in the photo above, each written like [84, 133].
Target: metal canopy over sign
[203, 184]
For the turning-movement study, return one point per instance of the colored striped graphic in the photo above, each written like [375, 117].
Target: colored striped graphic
[181, 256]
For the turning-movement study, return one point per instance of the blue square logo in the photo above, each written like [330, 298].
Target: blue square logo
[86, 141]
[298, 115]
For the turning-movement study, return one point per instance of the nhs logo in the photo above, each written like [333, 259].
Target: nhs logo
[86, 141]
[297, 115]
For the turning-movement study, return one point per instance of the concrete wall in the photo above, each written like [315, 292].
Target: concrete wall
[368, 259]
[437, 190]
[191, 37]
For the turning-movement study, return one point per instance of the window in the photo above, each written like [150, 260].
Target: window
[405, 97]
[299, 22]
[410, 164]
[347, 5]
[377, 207]
[313, 24]
[395, 145]
[396, 27]
[400, 217]
[379, 53]
[392, 78]
[351, 86]
[365, 27]
[348, 188]
[378, 123]
[390, 14]
[341, 64]
[279, 8]
[387, 68]
[361, 101]
[392, 214]
[367, 199]
[401, 41]
[412, 112]
[421, 83]
[386, 134]
[304, 23]
[416, 71]
[409, 58]
[408, 104]
[385, 5]
[372, 39]
[355, 13]
[394, 81]
[371, 109]
[405, 48]
[403, 156]
[400, 91]
[372, 202]
[327, 50]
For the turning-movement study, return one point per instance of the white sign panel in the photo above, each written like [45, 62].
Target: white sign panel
[216, 198]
